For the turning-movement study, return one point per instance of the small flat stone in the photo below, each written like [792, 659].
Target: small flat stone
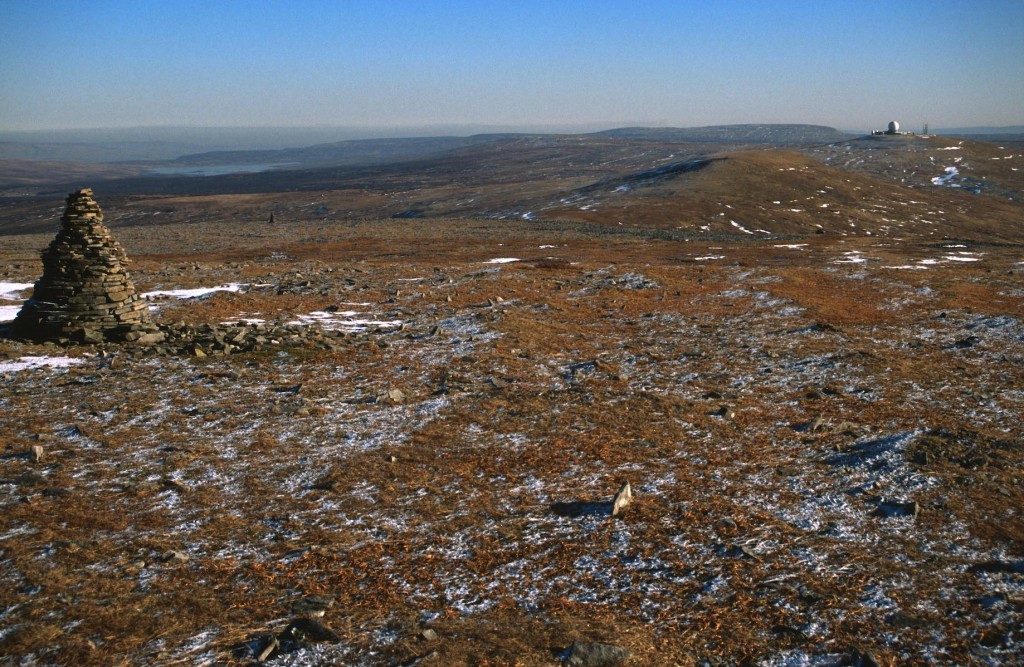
[594, 654]
[622, 499]
[889, 508]
[175, 557]
[268, 650]
[313, 605]
[309, 630]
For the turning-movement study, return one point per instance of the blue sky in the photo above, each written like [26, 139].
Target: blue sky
[854, 65]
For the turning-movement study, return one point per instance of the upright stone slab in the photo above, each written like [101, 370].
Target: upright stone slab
[85, 293]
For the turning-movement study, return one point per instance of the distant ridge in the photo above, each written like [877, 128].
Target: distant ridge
[355, 152]
[369, 152]
[734, 134]
[1005, 129]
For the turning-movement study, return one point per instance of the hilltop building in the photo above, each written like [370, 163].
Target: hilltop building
[892, 130]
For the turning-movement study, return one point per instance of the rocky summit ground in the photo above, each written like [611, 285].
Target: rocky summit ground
[397, 443]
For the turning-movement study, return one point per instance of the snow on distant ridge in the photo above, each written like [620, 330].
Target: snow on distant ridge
[951, 173]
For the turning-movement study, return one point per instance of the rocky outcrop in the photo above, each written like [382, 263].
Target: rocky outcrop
[86, 294]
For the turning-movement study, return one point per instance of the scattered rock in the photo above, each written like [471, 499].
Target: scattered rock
[808, 594]
[902, 619]
[744, 550]
[848, 428]
[889, 508]
[175, 557]
[815, 424]
[726, 524]
[622, 499]
[92, 336]
[392, 397]
[328, 482]
[173, 485]
[963, 343]
[306, 631]
[594, 654]
[268, 650]
[725, 412]
[313, 605]
[150, 339]
[428, 635]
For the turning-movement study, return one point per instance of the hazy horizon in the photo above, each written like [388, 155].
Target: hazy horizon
[405, 65]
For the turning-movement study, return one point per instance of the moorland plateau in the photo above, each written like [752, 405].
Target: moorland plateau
[386, 426]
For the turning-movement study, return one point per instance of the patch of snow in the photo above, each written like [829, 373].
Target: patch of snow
[852, 257]
[801, 658]
[792, 246]
[8, 312]
[23, 363]
[708, 257]
[245, 320]
[502, 260]
[193, 293]
[12, 291]
[344, 319]
[951, 173]
[740, 227]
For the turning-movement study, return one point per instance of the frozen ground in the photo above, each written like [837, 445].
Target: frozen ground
[824, 454]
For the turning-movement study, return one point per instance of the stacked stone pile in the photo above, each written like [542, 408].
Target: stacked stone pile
[85, 294]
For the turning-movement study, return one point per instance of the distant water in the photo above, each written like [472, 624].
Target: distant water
[216, 169]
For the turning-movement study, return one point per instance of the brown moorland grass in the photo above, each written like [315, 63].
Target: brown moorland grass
[476, 506]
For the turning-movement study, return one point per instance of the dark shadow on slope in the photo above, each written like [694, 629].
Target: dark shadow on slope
[577, 508]
[650, 176]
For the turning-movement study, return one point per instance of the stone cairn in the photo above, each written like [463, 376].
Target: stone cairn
[85, 294]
